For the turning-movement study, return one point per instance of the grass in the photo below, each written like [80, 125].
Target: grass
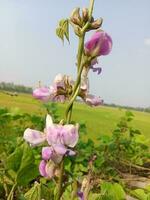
[100, 120]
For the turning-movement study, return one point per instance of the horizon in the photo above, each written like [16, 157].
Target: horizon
[30, 50]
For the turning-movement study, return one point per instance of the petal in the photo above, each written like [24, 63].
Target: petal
[54, 134]
[49, 121]
[60, 149]
[93, 100]
[50, 169]
[58, 78]
[106, 45]
[42, 93]
[99, 44]
[80, 195]
[70, 152]
[34, 137]
[42, 167]
[84, 79]
[47, 153]
[57, 158]
[70, 135]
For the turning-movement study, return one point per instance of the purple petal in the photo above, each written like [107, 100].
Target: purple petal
[60, 149]
[70, 152]
[42, 93]
[54, 134]
[42, 167]
[80, 195]
[47, 153]
[70, 135]
[96, 69]
[34, 137]
[99, 44]
[93, 100]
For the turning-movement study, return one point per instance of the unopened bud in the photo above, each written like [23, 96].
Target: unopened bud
[97, 23]
[77, 30]
[75, 16]
[85, 14]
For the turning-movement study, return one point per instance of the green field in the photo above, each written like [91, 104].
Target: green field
[100, 120]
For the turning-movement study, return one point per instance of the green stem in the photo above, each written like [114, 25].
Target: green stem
[75, 92]
[10, 197]
[60, 188]
[80, 50]
[91, 9]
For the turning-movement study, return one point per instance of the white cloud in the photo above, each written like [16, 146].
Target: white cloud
[147, 41]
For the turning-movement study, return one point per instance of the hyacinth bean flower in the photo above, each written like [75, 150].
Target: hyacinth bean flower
[59, 137]
[99, 44]
[92, 100]
[57, 92]
[42, 93]
[47, 169]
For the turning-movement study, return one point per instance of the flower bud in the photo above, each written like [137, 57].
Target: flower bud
[75, 17]
[97, 23]
[99, 44]
[85, 14]
[42, 167]
[77, 30]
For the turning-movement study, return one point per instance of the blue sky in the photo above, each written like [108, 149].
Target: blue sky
[30, 50]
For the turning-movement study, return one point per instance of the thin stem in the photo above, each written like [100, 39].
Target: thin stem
[75, 92]
[80, 50]
[91, 9]
[60, 180]
[10, 196]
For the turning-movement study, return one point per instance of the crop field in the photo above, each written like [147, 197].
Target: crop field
[99, 120]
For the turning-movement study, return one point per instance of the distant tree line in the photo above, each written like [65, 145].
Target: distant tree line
[15, 88]
[24, 89]
[147, 109]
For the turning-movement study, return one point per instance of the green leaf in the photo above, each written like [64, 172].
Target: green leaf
[34, 193]
[118, 191]
[38, 192]
[111, 191]
[140, 194]
[14, 160]
[63, 29]
[22, 162]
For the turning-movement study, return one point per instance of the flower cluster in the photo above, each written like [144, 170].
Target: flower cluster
[99, 44]
[59, 140]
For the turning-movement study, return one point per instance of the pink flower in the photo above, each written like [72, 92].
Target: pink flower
[65, 135]
[99, 44]
[42, 93]
[93, 100]
[34, 137]
[42, 167]
[47, 153]
[58, 91]
[47, 169]
[59, 137]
